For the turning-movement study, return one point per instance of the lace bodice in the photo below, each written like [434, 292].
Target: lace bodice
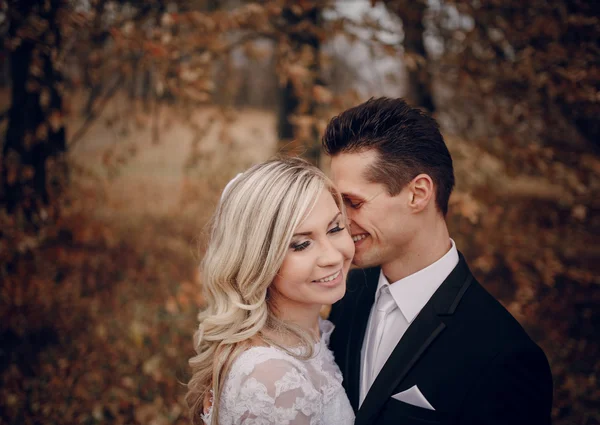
[267, 386]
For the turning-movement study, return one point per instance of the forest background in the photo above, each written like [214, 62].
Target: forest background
[122, 121]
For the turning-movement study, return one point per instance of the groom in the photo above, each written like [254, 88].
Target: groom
[417, 338]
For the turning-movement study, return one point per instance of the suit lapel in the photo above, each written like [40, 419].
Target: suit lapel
[419, 335]
[423, 331]
[362, 309]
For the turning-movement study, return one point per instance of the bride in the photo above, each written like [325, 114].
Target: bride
[278, 250]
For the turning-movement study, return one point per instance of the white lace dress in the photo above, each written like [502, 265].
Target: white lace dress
[266, 386]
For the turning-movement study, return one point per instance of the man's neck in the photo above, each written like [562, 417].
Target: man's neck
[424, 250]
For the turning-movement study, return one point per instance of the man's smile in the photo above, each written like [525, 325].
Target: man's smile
[359, 237]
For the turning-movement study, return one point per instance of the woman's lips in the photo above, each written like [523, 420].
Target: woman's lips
[331, 280]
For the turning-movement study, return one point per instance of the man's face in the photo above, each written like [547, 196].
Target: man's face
[381, 225]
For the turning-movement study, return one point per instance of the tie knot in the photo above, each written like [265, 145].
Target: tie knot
[385, 302]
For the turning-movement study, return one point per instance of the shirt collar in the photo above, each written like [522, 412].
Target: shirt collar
[412, 292]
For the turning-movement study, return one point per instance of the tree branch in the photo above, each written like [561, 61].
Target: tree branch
[91, 117]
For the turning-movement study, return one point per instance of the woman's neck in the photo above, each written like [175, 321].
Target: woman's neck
[304, 316]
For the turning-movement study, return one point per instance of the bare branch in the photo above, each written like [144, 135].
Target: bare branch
[91, 117]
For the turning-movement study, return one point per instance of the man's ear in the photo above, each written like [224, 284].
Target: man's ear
[422, 192]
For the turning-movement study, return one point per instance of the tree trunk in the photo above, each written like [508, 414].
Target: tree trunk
[291, 101]
[412, 14]
[35, 135]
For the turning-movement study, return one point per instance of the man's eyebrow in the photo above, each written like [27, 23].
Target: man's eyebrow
[310, 233]
[353, 198]
[352, 195]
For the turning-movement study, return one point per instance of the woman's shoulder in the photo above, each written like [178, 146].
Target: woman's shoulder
[260, 361]
[260, 371]
[268, 363]
[256, 380]
[269, 384]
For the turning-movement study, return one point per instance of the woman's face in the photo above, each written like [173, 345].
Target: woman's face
[316, 265]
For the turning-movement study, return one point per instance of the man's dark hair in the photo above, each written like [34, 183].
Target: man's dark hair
[407, 140]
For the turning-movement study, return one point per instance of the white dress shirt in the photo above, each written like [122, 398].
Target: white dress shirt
[410, 295]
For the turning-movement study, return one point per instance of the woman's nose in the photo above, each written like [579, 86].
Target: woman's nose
[331, 255]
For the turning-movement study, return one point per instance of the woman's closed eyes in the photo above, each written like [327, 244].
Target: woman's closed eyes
[301, 246]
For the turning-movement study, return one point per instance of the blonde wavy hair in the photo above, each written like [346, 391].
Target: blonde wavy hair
[250, 233]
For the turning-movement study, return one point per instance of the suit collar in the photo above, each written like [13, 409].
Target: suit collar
[362, 309]
[426, 327]
[445, 300]
[412, 292]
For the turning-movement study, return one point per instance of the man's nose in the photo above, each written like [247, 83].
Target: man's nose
[349, 216]
[353, 225]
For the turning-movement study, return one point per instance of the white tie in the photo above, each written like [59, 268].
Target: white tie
[384, 305]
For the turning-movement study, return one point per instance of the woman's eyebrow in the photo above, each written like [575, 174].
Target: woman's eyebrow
[310, 233]
[334, 218]
[302, 234]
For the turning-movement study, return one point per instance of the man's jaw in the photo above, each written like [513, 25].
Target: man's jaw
[359, 239]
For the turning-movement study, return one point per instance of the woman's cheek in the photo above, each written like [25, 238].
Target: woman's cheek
[347, 248]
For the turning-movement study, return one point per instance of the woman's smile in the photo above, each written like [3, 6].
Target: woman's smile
[331, 280]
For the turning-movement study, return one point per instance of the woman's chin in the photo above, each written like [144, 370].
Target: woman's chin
[334, 294]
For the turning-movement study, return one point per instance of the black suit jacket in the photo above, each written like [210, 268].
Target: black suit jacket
[469, 357]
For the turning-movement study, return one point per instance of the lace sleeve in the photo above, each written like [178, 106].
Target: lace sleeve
[277, 391]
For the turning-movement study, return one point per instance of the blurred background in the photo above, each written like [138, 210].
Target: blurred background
[121, 122]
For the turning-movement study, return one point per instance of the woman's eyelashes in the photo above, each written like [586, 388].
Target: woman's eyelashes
[337, 228]
[301, 246]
